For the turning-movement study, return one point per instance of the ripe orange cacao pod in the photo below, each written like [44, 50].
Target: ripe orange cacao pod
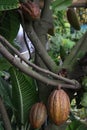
[38, 114]
[58, 106]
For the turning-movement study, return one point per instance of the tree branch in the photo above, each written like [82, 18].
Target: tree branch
[78, 51]
[46, 9]
[47, 72]
[14, 61]
[40, 48]
[4, 116]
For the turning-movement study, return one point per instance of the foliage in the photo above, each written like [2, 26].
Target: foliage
[65, 35]
[22, 89]
[5, 92]
[76, 125]
[24, 94]
[8, 27]
[5, 65]
[61, 4]
[61, 44]
[19, 95]
[84, 99]
[19, 91]
[60, 47]
[84, 83]
[8, 4]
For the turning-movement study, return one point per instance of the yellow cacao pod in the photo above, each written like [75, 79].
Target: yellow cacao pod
[58, 106]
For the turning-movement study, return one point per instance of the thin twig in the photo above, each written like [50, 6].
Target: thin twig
[49, 73]
[4, 115]
[26, 44]
[14, 61]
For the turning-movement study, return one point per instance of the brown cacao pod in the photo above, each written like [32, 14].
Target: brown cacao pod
[30, 10]
[58, 106]
[38, 114]
[73, 19]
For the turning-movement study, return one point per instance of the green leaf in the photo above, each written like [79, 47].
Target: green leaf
[61, 4]
[77, 52]
[9, 4]
[84, 83]
[76, 125]
[62, 53]
[4, 64]
[73, 125]
[9, 25]
[5, 92]
[24, 94]
[1, 127]
[84, 100]
[82, 127]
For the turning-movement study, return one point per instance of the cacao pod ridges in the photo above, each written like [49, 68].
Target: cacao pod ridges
[58, 106]
[38, 115]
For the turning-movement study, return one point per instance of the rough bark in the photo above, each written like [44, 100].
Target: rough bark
[41, 28]
[40, 48]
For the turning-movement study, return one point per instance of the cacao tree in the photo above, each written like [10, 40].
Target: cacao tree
[23, 85]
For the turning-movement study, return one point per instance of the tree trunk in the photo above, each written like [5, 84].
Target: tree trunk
[41, 32]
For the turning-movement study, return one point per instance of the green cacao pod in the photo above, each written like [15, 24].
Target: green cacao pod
[38, 114]
[73, 19]
[58, 106]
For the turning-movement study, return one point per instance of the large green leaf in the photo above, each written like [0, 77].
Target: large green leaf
[9, 25]
[61, 4]
[9, 4]
[24, 94]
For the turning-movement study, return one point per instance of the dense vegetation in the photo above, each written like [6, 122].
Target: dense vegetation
[59, 60]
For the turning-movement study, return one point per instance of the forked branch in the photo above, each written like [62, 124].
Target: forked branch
[14, 61]
[47, 72]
